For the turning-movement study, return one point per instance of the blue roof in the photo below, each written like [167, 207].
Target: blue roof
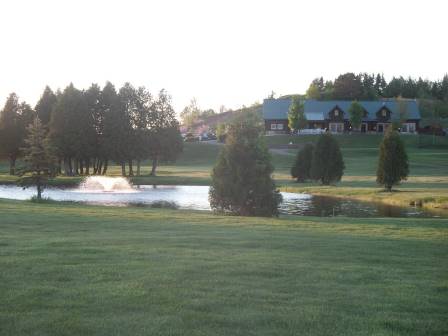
[318, 110]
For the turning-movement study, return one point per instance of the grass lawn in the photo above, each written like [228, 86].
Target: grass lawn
[81, 270]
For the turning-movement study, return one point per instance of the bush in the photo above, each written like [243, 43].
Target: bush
[393, 165]
[301, 170]
[241, 179]
[327, 165]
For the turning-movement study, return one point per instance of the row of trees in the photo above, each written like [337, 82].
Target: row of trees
[323, 162]
[364, 86]
[89, 128]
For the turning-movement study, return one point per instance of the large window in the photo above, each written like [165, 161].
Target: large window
[408, 128]
[277, 127]
[336, 127]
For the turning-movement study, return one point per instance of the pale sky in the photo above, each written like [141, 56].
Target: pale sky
[221, 52]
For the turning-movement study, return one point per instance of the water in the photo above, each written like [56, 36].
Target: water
[118, 192]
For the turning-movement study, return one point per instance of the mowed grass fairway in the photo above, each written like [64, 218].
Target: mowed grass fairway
[82, 270]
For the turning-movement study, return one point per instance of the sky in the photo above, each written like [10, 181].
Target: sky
[228, 52]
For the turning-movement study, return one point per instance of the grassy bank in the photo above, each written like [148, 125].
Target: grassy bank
[73, 269]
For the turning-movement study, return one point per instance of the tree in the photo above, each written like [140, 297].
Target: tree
[301, 170]
[93, 100]
[45, 105]
[71, 129]
[13, 121]
[356, 112]
[327, 165]
[313, 92]
[347, 87]
[393, 165]
[241, 179]
[38, 158]
[190, 114]
[165, 140]
[296, 115]
[221, 130]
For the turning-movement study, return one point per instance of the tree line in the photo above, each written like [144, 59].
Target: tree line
[90, 128]
[323, 162]
[364, 86]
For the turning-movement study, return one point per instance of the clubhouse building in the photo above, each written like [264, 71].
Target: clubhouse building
[333, 115]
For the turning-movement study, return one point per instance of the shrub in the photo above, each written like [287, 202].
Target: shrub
[301, 170]
[241, 179]
[327, 165]
[393, 165]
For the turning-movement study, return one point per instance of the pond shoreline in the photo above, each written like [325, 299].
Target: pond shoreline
[435, 201]
[296, 202]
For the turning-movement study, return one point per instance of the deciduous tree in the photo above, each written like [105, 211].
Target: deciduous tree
[356, 112]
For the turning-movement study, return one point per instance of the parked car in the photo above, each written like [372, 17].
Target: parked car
[190, 137]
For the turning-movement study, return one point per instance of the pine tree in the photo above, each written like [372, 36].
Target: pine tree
[165, 140]
[45, 105]
[328, 164]
[38, 157]
[393, 165]
[301, 170]
[241, 179]
[14, 118]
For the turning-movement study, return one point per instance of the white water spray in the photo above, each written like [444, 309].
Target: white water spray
[106, 184]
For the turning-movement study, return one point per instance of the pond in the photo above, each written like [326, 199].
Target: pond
[118, 192]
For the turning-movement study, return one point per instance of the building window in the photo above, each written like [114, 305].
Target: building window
[336, 127]
[280, 127]
[273, 126]
[336, 112]
[384, 113]
[408, 128]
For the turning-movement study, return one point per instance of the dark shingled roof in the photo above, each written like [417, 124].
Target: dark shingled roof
[318, 110]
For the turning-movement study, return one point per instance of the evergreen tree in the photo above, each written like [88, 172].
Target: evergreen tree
[71, 129]
[13, 121]
[38, 158]
[241, 179]
[45, 105]
[313, 92]
[301, 170]
[328, 164]
[126, 129]
[165, 140]
[92, 97]
[109, 107]
[393, 165]
[356, 112]
[347, 87]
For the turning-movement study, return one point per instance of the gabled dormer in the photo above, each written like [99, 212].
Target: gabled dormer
[383, 114]
[336, 114]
